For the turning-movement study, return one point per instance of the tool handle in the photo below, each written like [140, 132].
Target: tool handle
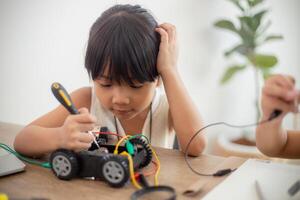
[63, 97]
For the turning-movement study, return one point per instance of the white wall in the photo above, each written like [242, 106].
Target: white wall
[44, 41]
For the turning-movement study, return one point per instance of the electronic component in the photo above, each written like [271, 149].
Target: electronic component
[103, 138]
[101, 161]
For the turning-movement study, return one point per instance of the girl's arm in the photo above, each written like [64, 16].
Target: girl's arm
[58, 129]
[185, 117]
[271, 138]
[274, 141]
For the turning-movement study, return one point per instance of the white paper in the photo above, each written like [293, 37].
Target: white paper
[274, 179]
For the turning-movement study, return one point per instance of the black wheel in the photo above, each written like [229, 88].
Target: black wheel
[115, 171]
[64, 164]
[141, 146]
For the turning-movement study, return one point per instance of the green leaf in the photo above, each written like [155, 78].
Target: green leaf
[246, 33]
[254, 21]
[257, 19]
[246, 20]
[237, 3]
[230, 72]
[273, 37]
[242, 49]
[253, 3]
[263, 28]
[263, 61]
[226, 24]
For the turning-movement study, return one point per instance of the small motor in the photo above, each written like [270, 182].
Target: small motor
[102, 138]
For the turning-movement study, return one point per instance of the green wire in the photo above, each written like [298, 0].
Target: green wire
[138, 135]
[128, 144]
[25, 159]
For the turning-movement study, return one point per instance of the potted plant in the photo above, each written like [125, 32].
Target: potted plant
[252, 33]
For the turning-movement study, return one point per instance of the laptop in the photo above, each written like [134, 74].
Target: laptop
[9, 163]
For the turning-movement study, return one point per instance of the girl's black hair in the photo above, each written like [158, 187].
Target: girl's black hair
[123, 39]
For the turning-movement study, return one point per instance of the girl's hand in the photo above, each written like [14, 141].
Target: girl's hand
[168, 51]
[73, 132]
[279, 93]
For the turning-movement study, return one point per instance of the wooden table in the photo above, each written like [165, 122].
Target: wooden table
[41, 183]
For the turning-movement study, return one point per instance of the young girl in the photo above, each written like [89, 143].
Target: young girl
[279, 93]
[128, 54]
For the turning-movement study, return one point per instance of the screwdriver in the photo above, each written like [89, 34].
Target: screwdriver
[64, 98]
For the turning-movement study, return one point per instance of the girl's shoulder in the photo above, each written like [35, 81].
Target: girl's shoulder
[82, 97]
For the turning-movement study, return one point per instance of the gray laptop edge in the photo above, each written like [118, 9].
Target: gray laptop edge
[9, 163]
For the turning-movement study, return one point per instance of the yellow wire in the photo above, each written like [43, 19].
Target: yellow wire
[118, 144]
[131, 163]
[131, 170]
[158, 166]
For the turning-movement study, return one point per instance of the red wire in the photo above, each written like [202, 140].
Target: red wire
[107, 133]
[153, 171]
[149, 173]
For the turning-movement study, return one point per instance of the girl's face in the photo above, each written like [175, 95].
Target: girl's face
[123, 100]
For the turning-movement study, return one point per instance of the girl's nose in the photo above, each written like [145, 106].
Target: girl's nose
[120, 96]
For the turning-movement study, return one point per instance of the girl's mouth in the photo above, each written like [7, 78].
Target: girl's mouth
[121, 112]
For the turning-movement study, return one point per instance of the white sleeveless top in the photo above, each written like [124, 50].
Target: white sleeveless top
[161, 134]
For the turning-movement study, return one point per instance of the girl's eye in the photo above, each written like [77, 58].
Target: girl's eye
[105, 85]
[136, 86]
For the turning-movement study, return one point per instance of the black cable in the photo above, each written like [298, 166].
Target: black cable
[223, 172]
[117, 128]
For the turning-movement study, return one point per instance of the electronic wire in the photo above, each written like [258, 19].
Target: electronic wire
[106, 133]
[127, 137]
[158, 167]
[25, 159]
[149, 173]
[118, 144]
[131, 170]
[223, 172]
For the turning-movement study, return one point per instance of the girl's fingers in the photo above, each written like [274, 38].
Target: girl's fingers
[85, 127]
[282, 80]
[291, 79]
[280, 92]
[83, 110]
[171, 30]
[82, 146]
[163, 35]
[85, 137]
[84, 118]
[274, 103]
